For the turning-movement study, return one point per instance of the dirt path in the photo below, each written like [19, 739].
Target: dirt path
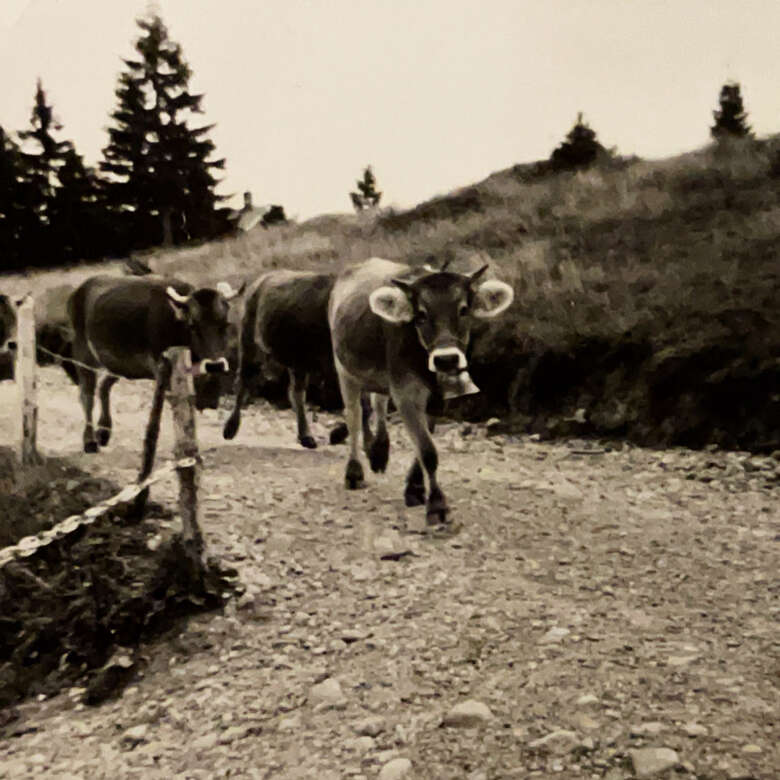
[593, 603]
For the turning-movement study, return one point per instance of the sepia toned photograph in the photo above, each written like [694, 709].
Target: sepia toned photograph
[389, 389]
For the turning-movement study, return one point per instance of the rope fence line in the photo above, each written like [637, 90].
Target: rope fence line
[29, 545]
[60, 359]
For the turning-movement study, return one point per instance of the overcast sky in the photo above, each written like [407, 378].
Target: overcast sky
[435, 94]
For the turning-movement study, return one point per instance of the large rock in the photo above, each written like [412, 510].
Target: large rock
[396, 769]
[468, 714]
[653, 760]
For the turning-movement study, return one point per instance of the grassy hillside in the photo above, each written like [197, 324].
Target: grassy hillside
[647, 293]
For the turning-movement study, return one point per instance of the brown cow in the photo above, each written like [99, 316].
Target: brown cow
[124, 325]
[398, 333]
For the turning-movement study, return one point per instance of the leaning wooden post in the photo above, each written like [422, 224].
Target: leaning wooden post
[24, 375]
[186, 446]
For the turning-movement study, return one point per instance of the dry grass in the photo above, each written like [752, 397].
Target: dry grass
[597, 252]
[661, 251]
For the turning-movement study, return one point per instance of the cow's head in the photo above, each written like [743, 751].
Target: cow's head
[442, 307]
[205, 314]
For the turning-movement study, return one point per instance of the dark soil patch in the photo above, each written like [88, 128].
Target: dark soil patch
[35, 499]
[76, 611]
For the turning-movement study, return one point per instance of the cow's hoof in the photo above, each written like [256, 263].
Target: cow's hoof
[308, 442]
[378, 454]
[103, 436]
[436, 514]
[90, 446]
[414, 495]
[339, 434]
[353, 478]
[231, 427]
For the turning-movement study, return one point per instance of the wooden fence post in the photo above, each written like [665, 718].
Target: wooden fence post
[186, 446]
[26, 384]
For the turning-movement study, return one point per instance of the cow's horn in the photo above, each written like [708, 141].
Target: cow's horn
[227, 292]
[175, 296]
[475, 276]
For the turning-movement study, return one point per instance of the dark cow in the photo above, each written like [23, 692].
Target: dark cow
[53, 331]
[285, 319]
[124, 325]
[404, 334]
[7, 337]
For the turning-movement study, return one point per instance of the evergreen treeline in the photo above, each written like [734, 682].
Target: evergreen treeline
[155, 183]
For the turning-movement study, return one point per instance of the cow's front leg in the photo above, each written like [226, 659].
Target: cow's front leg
[297, 394]
[87, 399]
[411, 402]
[104, 422]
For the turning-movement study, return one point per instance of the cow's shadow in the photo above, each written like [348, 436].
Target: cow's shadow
[293, 456]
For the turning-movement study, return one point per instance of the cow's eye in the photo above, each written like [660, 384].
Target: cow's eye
[421, 317]
[463, 310]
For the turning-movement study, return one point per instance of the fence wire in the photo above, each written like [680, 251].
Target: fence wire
[28, 545]
[60, 359]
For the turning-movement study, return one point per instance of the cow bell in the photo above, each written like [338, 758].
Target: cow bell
[456, 384]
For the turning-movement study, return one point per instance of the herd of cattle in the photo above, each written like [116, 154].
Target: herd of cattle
[391, 331]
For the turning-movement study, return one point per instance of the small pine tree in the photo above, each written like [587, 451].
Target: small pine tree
[43, 157]
[14, 217]
[160, 169]
[579, 150]
[45, 154]
[730, 118]
[367, 195]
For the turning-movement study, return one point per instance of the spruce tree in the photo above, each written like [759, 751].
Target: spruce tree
[42, 157]
[367, 195]
[12, 212]
[579, 150]
[160, 170]
[730, 118]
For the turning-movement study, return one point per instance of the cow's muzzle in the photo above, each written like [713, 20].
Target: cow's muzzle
[208, 366]
[447, 360]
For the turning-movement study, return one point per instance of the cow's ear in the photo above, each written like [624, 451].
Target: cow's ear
[391, 304]
[179, 303]
[491, 298]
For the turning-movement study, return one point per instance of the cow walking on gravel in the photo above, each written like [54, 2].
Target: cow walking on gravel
[401, 333]
[286, 319]
[124, 325]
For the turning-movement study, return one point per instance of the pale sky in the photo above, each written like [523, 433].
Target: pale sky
[435, 94]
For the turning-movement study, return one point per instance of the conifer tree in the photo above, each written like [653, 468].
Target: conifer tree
[367, 195]
[730, 118]
[45, 153]
[12, 211]
[160, 169]
[42, 157]
[579, 150]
